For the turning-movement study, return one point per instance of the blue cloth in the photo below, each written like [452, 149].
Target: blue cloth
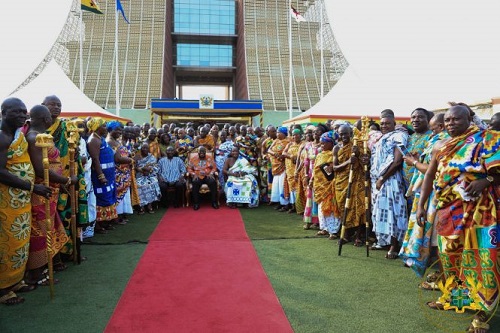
[171, 169]
[105, 194]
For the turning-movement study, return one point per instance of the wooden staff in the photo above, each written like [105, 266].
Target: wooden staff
[365, 128]
[347, 201]
[45, 141]
[74, 137]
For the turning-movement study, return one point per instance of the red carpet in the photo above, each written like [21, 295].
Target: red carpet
[199, 273]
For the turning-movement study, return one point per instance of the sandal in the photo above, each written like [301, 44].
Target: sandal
[322, 233]
[436, 305]
[392, 255]
[307, 226]
[378, 247]
[11, 298]
[44, 281]
[431, 286]
[23, 287]
[141, 211]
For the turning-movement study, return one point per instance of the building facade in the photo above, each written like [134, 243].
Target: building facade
[171, 47]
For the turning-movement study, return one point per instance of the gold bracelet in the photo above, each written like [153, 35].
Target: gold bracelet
[101, 176]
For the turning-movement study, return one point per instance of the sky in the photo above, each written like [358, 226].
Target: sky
[28, 28]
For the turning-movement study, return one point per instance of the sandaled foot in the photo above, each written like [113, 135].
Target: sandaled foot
[10, 298]
[378, 247]
[23, 287]
[322, 233]
[307, 226]
[428, 286]
[435, 305]
[392, 255]
[141, 211]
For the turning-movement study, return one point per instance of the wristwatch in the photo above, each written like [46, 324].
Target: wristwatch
[490, 179]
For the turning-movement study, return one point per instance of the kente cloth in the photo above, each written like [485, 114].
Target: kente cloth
[323, 189]
[416, 144]
[247, 146]
[356, 212]
[277, 165]
[207, 142]
[415, 250]
[312, 149]
[147, 185]
[60, 134]
[38, 239]
[123, 176]
[105, 193]
[290, 164]
[221, 154]
[201, 167]
[245, 189]
[184, 146]
[300, 196]
[266, 179]
[467, 227]
[389, 212]
[15, 214]
[171, 170]
[134, 193]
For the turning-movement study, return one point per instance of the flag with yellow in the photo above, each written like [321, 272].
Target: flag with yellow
[91, 6]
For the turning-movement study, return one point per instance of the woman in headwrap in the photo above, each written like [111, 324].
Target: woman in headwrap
[278, 168]
[241, 186]
[300, 202]
[123, 178]
[323, 189]
[312, 150]
[291, 153]
[103, 174]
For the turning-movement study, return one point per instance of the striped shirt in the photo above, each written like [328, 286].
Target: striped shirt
[171, 169]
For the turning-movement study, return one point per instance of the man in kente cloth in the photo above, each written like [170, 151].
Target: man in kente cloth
[205, 139]
[37, 260]
[59, 132]
[275, 152]
[16, 185]
[343, 161]
[465, 172]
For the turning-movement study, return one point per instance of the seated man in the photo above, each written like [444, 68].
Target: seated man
[171, 173]
[202, 169]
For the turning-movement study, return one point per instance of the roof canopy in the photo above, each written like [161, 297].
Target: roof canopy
[53, 81]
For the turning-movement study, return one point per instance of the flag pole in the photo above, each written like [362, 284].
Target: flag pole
[290, 81]
[81, 48]
[117, 82]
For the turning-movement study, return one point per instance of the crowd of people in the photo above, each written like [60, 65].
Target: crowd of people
[431, 188]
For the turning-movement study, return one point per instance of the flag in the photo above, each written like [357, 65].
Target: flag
[119, 8]
[91, 6]
[296, 15]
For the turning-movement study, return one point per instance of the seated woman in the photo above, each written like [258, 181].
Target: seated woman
[241, 185]
[147, 179]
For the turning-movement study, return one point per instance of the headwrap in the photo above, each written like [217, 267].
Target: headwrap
[296, 131]
[112, 125]
[340, 123]
[283, 129]
[327, 137]
[94, 123]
